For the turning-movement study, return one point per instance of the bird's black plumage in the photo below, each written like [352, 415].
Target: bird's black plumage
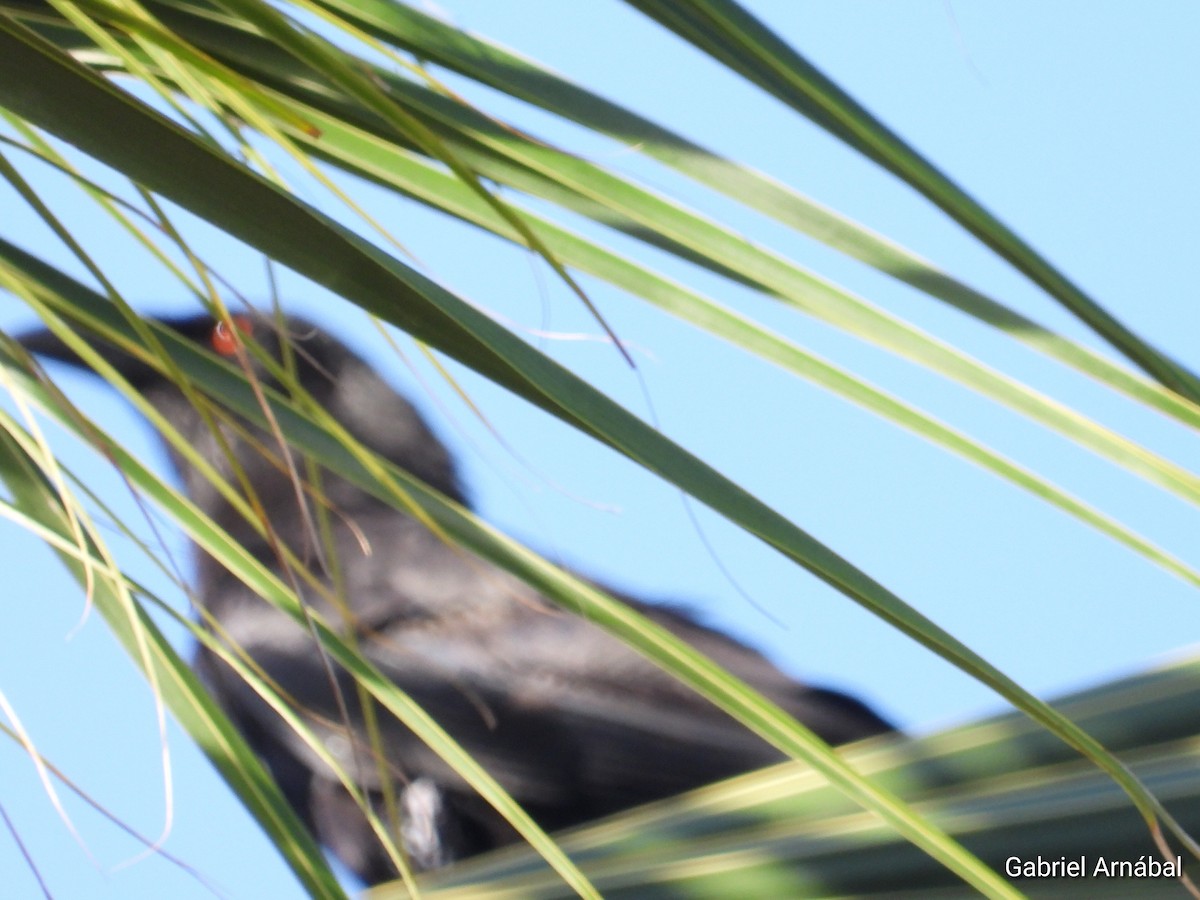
[571, 722]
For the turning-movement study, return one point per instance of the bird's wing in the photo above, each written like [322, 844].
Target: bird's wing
[562, 714]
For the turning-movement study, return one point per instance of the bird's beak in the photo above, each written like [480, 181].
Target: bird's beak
[48, 345]
[45, 343]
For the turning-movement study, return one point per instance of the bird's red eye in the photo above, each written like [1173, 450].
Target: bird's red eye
[225, 337]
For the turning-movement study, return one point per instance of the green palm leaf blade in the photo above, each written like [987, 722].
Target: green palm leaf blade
[729, 33]
[489, 63]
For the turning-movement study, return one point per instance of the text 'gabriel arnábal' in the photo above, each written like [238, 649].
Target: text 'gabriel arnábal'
[1100, 867]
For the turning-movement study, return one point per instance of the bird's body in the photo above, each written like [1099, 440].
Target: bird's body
[572, 723]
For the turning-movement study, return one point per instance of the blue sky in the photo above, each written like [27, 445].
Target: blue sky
[1070, 121]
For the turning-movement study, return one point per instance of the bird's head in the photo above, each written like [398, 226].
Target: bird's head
[283, 354]
[243, 340]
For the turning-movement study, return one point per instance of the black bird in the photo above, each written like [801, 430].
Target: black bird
[571, 722]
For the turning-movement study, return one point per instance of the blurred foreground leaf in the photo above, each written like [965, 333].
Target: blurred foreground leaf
[1000, 786]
